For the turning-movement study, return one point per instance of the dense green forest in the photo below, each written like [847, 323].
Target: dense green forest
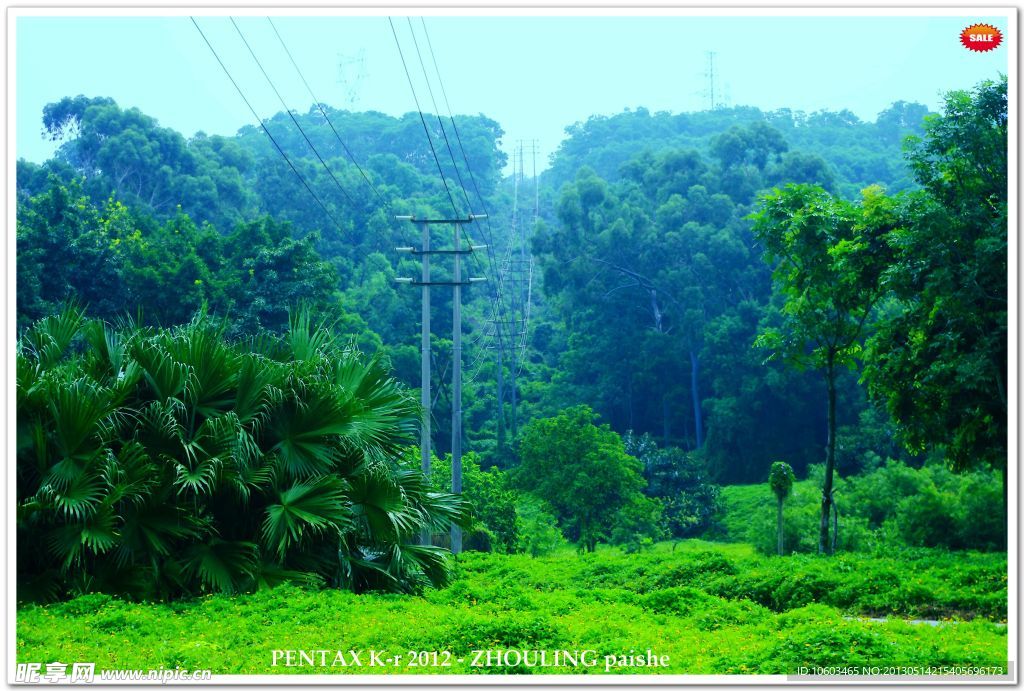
[714, 292]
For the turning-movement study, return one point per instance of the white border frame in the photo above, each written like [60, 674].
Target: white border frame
[566, 9]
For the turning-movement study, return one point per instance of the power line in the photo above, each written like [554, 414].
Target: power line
[444, 134]
[423, 120]
[496, 284]
[267, 131]
[330, 124]
[440, 123]
[290, 114]
[498, 307]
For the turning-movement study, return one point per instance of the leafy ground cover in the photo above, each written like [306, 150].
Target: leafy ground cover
[711, 608]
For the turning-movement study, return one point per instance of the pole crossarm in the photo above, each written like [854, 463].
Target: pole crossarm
[469, 219]
[415, 252]
[409, 281]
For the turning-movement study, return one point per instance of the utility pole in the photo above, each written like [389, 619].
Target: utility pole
[501, 393]
[517, 164]
[456, 545]
[426, 283]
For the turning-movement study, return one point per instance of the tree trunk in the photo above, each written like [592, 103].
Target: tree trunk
[629, 397]
[835, 526]
[824, 546]
[1006, 510]
[695, 393]
[1000, 387]
[666, 420]
[780, 527]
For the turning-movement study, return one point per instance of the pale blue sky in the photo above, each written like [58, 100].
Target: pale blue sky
[534, 75]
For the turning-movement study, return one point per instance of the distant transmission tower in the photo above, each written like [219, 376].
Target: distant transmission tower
[710, 74]
[351, 73]
[515, 281]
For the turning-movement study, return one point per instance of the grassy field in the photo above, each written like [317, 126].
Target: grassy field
[711, 608]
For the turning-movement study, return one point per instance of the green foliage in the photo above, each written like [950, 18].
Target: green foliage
[653, 295]
[679, 481]
[170, 223]
[639, 524]
[537, 527]
[939, 357]
[160, 463]
[710, 608]
[829, 256]
[780, 479]
[582, 470]
[117, 261]
[856, 153]
[892, 507]
[490, 498]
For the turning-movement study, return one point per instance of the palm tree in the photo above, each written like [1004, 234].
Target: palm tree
[780, 479]
[160, 463]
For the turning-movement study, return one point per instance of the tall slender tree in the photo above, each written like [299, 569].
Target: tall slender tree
[828, 256]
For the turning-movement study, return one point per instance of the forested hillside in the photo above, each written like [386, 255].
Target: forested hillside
[714, 292]
[130, 214]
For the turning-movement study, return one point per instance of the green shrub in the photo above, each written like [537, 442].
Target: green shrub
[490, 497]
[581, 470]
[854, 644]
[639, 524]
[537, 527]
[680, 481]
[893, 506]
[159, 463]
[980, 524]
[928, 519]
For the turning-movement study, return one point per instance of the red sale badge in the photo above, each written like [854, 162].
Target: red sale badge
[981, 37]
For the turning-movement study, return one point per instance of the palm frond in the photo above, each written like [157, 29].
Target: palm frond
[315, 506]
[130, 474]
[271, 575]
[379, 504]
[211, 367]
[75, 494]
[150, 530]
[438, 510]
[196, 476]
[166, 376]
[303, 432]
[421, 564]
[49, 338]
[384, 416]
[70, 541]
[221, 565]
[255, 388]
[159, 428]
[78, 410]
[305, 339]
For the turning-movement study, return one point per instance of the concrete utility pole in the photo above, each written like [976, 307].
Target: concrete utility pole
[456, 283]
[457, 383]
